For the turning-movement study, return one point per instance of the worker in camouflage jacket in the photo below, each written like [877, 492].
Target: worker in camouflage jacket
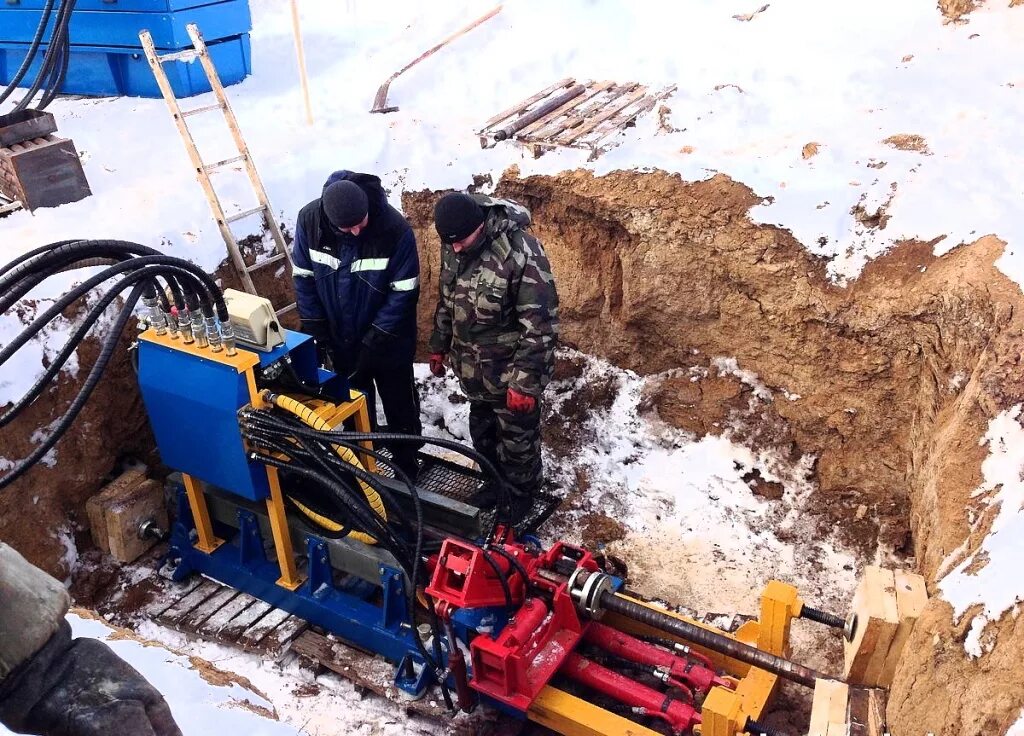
[53, 685]
[496, 324]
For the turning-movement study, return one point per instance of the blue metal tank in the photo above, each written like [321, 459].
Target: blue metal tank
[106, 55]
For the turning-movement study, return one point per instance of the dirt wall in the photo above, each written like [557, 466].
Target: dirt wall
[889, 382]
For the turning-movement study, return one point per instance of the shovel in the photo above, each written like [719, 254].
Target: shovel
[380, 102]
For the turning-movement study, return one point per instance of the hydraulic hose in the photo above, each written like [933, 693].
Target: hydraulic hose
[309, 417]
[64, 249]
[33, 49]
[485, 464]
[61, 304]
[62, 357]
[54, 49]
[83, 395]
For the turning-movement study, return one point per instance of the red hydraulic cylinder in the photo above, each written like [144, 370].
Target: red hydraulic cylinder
[629, 647]
[680, 716]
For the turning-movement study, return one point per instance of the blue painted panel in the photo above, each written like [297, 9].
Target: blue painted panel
[113, 72]
[146, 6]
[192, 404]
[116, 28]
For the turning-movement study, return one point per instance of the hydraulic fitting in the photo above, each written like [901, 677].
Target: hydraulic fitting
[199, 329]
[213, 334]
[185, 325]
[172, 325]
[156, 315]
[227, 334]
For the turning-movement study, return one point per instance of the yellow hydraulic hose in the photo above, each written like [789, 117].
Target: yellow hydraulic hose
[309, 417]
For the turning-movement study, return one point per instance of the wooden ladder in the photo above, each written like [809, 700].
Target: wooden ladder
[203, 170]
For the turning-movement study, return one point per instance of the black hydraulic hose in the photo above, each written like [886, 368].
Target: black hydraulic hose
[53, 87]
[42, 258]
[57, 40]
[83, 394]
[61, 304]
[26, 277]
[335, 466]
[356, 502]
[458, 447]
[527, 585]
[161, 293]
[63, 249]
[277, 463]
[33, 49]
[288, 423]
[62, 357]
[709, 640]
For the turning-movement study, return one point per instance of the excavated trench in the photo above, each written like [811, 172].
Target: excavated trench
[887, 385]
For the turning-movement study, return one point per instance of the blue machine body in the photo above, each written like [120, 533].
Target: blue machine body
[375, 618]
[106, 55]
[193, 404]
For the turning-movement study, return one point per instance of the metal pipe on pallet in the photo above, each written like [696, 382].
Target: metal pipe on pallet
[531, 117]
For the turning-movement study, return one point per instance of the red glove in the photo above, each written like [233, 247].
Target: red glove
[437, 364]
[520, 403]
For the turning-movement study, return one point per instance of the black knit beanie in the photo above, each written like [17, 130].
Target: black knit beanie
[344, 203]
[457, 215]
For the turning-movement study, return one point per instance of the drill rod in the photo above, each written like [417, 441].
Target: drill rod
[709, 640]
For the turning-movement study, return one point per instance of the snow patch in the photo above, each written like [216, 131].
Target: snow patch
[990, 577]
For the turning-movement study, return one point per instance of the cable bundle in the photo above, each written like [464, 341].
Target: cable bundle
[194, 310]
[54, 67]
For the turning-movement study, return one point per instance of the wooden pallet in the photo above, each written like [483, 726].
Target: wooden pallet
[9, 205]
[586, 115]
[208, 610]
[205, 609]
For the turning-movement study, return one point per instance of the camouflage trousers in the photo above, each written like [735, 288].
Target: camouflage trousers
[509, 440]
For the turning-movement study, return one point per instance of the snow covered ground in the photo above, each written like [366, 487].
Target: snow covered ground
[988, 582]
[213, 691]
[752, 94]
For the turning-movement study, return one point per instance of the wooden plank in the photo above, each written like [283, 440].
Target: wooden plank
[828, 707]
[238, 625]
[252, 636]
[213, 625]
[207, 608]
[552, 125]
[613, 124]
[173, 592]
[520, 108]
[182, 608]
[610, 109]
[280, 637]
[627, 115]
[593, 107]
[874, 603]
[890, 615]
[43, 172]
[867, 712]
[911, 599]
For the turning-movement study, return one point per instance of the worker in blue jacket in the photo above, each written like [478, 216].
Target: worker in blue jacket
[356, 276]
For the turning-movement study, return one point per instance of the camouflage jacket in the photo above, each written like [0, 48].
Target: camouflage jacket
[497, 316]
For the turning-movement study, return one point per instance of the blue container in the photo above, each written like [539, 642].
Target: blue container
[106, 55]
[146, 6]
[106, 71]
[121, 28]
